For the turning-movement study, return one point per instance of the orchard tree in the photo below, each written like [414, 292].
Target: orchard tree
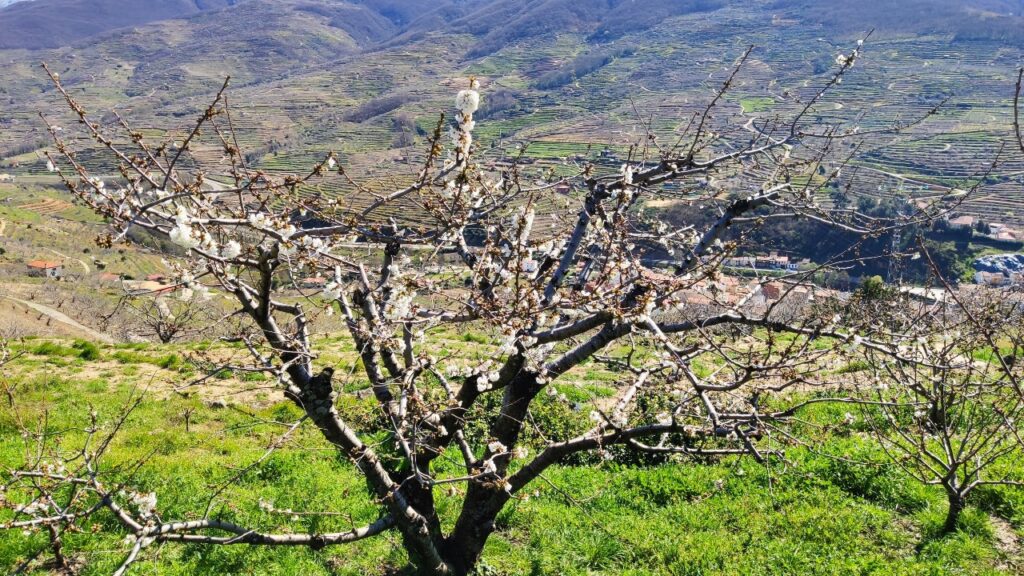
[611, 285]
[165, 317]
[948, 408]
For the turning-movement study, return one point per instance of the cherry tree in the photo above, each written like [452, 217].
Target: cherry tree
[947, 407]
[612, 285]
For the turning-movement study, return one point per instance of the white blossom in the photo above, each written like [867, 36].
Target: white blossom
[259, 220]
[183, 236]
[144, 503]
[627, 174]
[231, 250]
[467, 101]
[287, 232]
[182, 217]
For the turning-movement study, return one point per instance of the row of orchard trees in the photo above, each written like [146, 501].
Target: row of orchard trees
[943, 394]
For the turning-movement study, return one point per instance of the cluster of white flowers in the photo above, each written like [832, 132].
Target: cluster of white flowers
[108, 200]
[399, 306]
[190, 287]
[627, 174]
[231, 250]
[496, 448]
[285, 232]
[332, 290]
[486, 380]
[268, 223]
[144, 503]
[466, 102]
[525, 218]
[182, 234]
[844, 61]
[260, 221]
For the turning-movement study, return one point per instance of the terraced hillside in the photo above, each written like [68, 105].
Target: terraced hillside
[304, 84]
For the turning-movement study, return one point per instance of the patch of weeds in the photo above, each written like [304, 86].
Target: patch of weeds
[125, 357]
[53, 349]
[852, 367]
[253, 377]
[474, 338]
[170, 362]
[87, 350]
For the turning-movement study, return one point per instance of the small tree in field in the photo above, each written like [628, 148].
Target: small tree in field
[166, 317]
[551, 292]
[948, 407]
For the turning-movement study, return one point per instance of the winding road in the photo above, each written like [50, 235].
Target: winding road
[66, 257]
[59, 316]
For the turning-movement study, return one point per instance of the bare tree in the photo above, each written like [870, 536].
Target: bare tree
[551, 294]
[165, 317]
[948, 412]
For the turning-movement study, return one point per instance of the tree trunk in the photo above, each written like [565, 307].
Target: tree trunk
[463, 548]
[956, 506]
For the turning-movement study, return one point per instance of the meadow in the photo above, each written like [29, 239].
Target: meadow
[840, 507]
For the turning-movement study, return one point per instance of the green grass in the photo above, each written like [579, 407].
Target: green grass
[166, 361]
[840, 509]
[757, 104]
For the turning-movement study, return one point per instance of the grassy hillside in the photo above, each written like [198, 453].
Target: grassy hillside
[305, 74]
[840, 509]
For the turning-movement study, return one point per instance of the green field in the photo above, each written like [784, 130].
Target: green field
[839, 509]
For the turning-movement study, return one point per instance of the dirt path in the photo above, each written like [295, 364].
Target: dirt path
[3, 226]
[63, 319]
[1007, 542]
[66, 257]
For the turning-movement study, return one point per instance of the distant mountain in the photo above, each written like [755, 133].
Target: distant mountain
[34, 24]
[497, 23]
[367, 78]
[963, 19]
[53, 23]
